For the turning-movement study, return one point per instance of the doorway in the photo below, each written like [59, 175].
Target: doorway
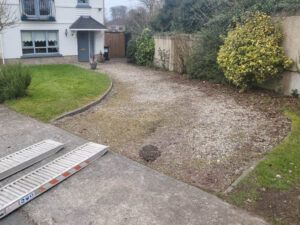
[85, 40]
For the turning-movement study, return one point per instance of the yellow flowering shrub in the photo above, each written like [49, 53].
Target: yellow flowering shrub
[251, 53]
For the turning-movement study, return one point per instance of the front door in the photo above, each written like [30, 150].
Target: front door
[83, 46]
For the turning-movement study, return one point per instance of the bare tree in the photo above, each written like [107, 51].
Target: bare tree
[7, 17]
[118, 12]
[136, 21]
[152, 5]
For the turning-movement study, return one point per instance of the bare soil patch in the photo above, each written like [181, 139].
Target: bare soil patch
[282, 205]
[207, 133]
[276, 206]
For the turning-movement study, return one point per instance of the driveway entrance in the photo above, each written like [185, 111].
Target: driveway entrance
[112, 190]
[205, 136]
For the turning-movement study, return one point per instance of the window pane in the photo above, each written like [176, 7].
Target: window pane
[52, 38]
[44, 7]
[27, 39]
[40, 43]
[83, 1]
[40, 39]
[52, 50]
[28, 51]
[29, 7]
[40, 50]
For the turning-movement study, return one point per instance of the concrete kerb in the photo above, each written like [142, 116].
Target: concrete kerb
[86, 107]
[244, 174]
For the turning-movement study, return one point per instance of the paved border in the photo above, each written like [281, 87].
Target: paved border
[86, 107]
[244, 174]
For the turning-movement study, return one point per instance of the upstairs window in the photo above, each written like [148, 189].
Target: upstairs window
[83, 4]
[83, 1]
[37, 8]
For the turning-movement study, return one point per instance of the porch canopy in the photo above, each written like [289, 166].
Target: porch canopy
[87, 23]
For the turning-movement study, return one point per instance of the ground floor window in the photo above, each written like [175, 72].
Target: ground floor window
[39, 42]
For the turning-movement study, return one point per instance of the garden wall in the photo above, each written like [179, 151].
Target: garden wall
[290, 26]
[172, 51]
[165, 44]
[291, 44]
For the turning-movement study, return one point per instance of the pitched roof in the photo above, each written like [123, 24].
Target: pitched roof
[87, 23]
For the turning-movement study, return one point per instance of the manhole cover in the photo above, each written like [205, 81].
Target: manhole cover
[149, 153]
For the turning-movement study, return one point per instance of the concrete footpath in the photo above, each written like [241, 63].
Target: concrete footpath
[112, 191]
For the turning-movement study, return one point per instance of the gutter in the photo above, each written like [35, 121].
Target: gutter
[87, 29]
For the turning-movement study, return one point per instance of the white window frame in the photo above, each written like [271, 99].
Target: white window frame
[35, 48]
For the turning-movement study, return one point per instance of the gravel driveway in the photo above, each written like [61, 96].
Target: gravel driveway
[206, 138]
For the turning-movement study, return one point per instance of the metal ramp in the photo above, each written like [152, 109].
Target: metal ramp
[30, 186]
[26, 157]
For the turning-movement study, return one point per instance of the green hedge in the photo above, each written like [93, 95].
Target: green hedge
[145, 48]
[131, 50]
[14, 80]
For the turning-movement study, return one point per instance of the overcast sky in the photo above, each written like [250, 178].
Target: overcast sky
[111, 3]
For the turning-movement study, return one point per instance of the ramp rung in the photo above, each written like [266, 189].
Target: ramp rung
[26, 157]
[35, 183]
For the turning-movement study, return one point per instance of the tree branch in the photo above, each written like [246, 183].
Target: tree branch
[7, 17]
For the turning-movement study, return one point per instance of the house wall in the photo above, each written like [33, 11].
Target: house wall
[66, 14]
[45, 60]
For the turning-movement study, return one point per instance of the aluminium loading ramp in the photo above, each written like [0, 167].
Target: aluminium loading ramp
[35, 183]
[26, 157]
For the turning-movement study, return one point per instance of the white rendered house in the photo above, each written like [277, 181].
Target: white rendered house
[49, 31]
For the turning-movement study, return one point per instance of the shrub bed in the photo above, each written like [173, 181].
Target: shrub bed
[14, 81]
[251, 53]
[212, 18]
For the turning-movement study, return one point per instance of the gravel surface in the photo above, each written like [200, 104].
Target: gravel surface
[206, 138]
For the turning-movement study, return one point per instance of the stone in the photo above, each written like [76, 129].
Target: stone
[149, 153]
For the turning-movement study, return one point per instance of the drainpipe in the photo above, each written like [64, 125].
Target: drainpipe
[104, 12]
[2, 46]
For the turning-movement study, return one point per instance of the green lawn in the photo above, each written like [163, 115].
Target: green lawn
[57, 89]
[273, 189]
[283, 161]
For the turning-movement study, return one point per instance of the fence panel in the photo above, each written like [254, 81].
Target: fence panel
[116, 44]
